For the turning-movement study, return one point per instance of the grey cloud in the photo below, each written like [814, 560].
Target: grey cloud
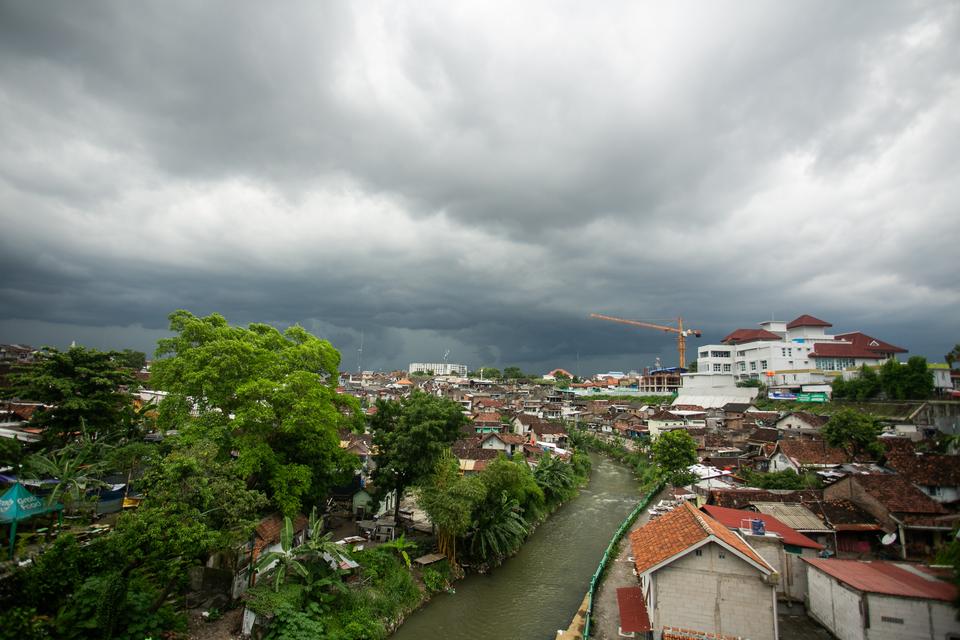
[481, 178]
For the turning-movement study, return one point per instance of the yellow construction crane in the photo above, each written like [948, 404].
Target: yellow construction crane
[679, 330]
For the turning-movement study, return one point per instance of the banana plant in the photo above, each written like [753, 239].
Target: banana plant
[285, 559]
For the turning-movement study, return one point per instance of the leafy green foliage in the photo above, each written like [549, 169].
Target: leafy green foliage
[912, 380]
[411, 436]
[264, 396]
[449, 499]
[83, 388]
[865, 386]
[788, 479]
[953, 356]
[436, 579]
[854, 432]
[499, 529]
[76, 467]
[488, 373]
[673, 452]
[11, 453]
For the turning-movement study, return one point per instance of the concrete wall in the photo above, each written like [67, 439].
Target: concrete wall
[715, 592]
[922, 619]
[834, 606]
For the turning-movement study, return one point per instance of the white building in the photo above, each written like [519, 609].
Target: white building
[792, 354]
[880, 600]
[439, 368]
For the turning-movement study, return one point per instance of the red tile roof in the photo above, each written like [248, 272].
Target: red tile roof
[855, 345]
[749, 335]
[895, 579]
[897, 494]
[811, 452]
[679, 530]
[927, 469]
[735, 518]
[807, 321]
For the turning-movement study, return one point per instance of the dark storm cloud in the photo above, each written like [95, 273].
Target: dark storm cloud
[480, 179]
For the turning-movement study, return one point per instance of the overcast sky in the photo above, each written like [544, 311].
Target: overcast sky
[479, 177]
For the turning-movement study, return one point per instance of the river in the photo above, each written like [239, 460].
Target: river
[537, 591]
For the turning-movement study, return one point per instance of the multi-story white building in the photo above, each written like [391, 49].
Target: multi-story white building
[791, 354]
[439, 368]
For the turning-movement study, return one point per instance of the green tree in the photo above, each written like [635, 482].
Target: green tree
[499, 529]
[81, 387]
[854, 432]
[131, 359]
[692, 366]
[267, 398]
[513, 373]
[910, 381]
[953, 356]
[515, 479]
[673, 452]
[788, 479]
[11, 453]
[555, 478]
[410, 436]
[488, 373]
[449, 499]
[76, 468]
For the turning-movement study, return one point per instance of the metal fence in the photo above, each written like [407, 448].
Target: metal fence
[612, 549]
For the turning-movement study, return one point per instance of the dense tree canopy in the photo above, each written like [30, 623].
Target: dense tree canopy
[853, 431]
[910, 381]
[266, 398]
[673, 452]
[411, 435]
[85, 389]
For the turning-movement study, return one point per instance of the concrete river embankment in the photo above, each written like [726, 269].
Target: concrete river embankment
[536, 592]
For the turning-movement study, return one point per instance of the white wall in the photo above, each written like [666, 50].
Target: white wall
[918, 616]
[835, 607]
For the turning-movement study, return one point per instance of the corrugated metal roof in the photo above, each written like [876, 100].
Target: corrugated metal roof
[891, 578]
[794, 515]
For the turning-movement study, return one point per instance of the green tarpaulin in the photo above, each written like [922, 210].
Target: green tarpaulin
[19, 504]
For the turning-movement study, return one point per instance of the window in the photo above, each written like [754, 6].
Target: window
[891, 620]
[704, 354]
[722, 554]
[753, 365]
[743, 366]
[720, 354]
[699, 552]
[726, 368]
[716, 367]
[763, 365]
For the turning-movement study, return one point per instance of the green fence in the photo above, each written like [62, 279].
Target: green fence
[612, 549]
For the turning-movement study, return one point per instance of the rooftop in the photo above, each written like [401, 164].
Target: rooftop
[890, 578]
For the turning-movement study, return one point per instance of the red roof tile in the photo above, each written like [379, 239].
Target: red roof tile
[750, 335]
[811, 452]
[681, 529]
[896, 579]
[734, 518]
[897, 494]
[855, 345]
[807, 321]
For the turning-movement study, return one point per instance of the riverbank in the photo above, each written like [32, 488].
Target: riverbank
[531, 594]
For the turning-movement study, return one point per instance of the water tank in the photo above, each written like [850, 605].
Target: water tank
[757, 528]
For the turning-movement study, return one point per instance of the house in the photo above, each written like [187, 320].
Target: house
[508, 443]
[488, 423]
[550, 433]
[899, 507]
[523, 422]
[936, 475]
[803, 455]
[696, 574]
[856, 533]
[780, 545]
[800, 421]
[877, 600]
[664, 421]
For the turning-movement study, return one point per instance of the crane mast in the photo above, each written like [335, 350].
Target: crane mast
[678, 330]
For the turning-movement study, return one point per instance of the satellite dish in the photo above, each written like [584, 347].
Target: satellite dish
[890, 538]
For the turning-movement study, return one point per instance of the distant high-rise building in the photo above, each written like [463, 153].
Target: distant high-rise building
[439, 368]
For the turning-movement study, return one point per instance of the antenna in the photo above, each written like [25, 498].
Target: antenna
[445, 354]
[360, 354]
